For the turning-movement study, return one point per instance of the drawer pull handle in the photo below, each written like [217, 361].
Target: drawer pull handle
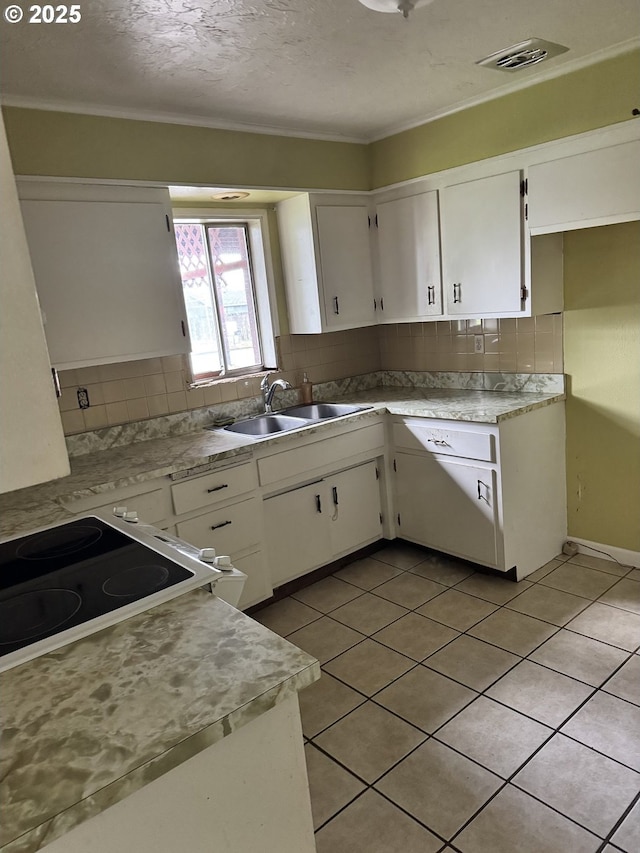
[336, 307]
[217, 488]
[222, 524]
[439, 441]
[431, 295]
[318, 503]
[335, 495]
[457, 297]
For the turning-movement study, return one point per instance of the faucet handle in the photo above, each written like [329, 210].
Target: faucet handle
[264, 385]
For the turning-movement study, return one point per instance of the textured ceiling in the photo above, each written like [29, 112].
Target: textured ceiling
[316, 67]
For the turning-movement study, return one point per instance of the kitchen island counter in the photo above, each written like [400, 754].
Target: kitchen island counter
[93, 722]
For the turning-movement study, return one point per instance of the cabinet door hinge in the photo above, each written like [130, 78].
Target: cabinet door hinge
[395, 467]
[168, 223]
[524, 187]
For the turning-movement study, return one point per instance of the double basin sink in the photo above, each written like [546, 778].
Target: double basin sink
[293, 418]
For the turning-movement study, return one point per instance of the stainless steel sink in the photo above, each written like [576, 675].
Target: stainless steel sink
[323, 411]
[268, 424]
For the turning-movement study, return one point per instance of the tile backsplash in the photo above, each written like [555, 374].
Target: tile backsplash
[137, 390]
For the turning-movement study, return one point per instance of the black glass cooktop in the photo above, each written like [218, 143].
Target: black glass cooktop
[59, 578]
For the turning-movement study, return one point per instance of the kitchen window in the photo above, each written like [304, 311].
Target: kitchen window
[223, 266]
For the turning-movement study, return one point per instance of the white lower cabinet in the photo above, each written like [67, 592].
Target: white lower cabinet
[311, 525]
[493, 494]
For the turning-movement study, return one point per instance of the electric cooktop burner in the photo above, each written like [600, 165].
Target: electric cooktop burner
[62, 577]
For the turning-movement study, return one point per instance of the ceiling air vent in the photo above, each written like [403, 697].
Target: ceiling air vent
[522, 55]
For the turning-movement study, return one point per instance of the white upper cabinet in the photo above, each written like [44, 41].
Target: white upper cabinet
[594, 188]
[409, 259]
[32, 449]
[482, 246]
[106, 270]
[326, 255]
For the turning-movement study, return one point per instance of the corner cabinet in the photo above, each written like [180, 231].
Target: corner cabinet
[106, 269]
[490, 493]
[409, 286]
[490, 265]
[326, 255]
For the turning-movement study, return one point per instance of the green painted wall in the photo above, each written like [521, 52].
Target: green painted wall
[602, 359]
[71, 145]
[593, 97]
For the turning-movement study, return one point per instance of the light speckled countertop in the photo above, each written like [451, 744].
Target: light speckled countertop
[219, 669]
[88, 724]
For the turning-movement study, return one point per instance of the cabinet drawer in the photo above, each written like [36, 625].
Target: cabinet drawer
[447, 442]
[301, 460]
[229, 529]
[212, 488]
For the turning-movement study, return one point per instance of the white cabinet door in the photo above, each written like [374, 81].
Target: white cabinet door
[354, 507]
[106, 271]
[482, 234]
[345, 259]
[33, 448]
[409, 258]
[447, 504]
[296, 532]
[594, 188]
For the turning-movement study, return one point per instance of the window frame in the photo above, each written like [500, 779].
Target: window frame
[263, 282]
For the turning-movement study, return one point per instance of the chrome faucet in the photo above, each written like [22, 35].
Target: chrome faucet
[269, 389]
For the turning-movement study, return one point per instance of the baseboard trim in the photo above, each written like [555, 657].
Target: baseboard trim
[609, 552]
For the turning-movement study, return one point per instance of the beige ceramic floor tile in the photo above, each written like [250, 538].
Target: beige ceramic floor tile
[599, 563]
[540, 693]
[416, 636]
[368, 613]
[284, 617]
[425, 698]
[472, 662]
[401, 555]
[369, 666]
[609, 624]
[439, 787]
[457, 610]
[625, 684]
[514, 822]
[324, 702]
[331, 786]
[579, 657]
[515, 632]
[443, 569]
[579, 580]
[625, 594]
[410, 590]
[609, 725]
[496, 737]
[543, 571]
[550, 605]
[325, 639]
[491, 588]
[327, 594]
[582, 784]
[369, 741]
[372, 824]
[367, 573]
[627, 837]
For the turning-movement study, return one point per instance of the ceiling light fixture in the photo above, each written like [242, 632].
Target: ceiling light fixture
[230, 195]
[404, 6]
